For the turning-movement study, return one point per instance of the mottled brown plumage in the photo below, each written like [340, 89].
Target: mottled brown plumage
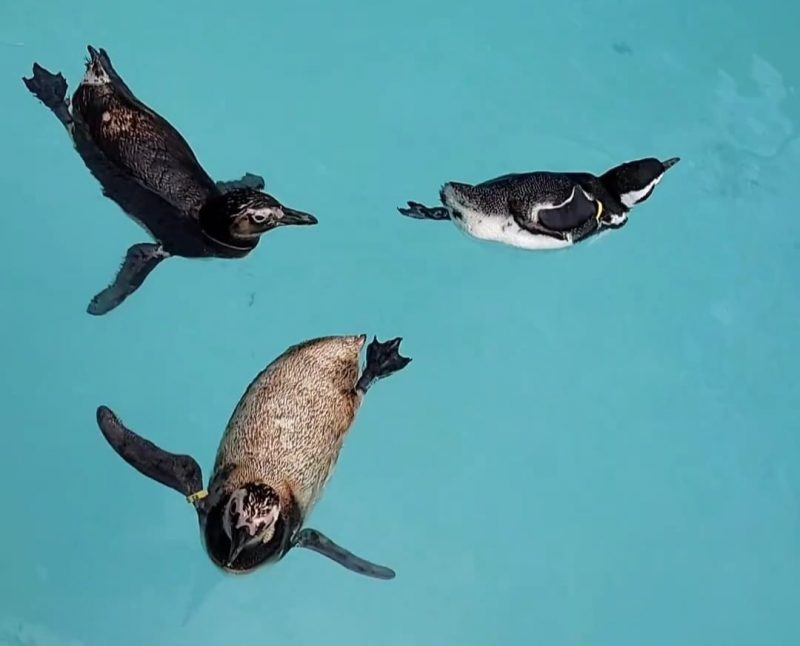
[145, 145]
[289, 426]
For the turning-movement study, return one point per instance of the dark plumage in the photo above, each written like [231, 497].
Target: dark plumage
[276, 456]
[146, 167]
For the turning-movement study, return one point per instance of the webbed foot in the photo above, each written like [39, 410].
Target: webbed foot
[50, 89]
[422, 212]
[139, 261]
[179, 472]
[383, 359]
[249, 180]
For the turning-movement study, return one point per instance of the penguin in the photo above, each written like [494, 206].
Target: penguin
[276, 455]
[546, 210]
[147, 168]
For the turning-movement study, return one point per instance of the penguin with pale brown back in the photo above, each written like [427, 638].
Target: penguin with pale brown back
[277, 454]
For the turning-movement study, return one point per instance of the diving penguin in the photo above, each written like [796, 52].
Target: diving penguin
[146, 167]
[546, 210]
[276, 456]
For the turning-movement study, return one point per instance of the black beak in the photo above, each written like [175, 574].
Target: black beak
[93, 53]
[238, 542]
[290, 216]
[670, 162]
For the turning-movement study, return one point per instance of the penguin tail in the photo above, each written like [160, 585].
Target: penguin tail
[421, 212]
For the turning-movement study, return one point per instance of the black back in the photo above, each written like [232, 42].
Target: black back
[144, 165]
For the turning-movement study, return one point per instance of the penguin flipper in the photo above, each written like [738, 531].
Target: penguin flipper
[179, 472]
[139, 261]
[521, 216]
[315, 540]
[249, 180]
[574, 212]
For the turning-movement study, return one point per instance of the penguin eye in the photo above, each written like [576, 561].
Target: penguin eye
[258, 217]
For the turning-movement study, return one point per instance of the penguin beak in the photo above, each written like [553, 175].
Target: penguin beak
[97, 56]
[100, 58]
[670, 162]
[238, 542]
[290, 216]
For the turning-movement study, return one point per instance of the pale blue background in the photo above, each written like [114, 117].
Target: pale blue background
[595, 447]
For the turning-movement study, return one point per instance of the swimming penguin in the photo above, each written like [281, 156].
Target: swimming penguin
[277, 454]
[146, 167]
[546, 210]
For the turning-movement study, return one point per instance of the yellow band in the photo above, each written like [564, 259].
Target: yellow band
[599, 210]
[196, 497]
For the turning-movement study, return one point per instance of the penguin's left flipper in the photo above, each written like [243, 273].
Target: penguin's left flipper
[255, 182]
[315, 540]
[179, 472]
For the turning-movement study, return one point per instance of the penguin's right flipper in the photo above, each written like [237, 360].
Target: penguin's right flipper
[139, 261]
[249, 180]
[524, 221]
[179, 472]
[315, 540]
[50, 89]
[574, 212]
[383, 359]
[422, 212]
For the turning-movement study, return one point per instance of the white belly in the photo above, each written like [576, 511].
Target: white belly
[505, 231]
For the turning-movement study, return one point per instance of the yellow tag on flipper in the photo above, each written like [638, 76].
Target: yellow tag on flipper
[196, 497]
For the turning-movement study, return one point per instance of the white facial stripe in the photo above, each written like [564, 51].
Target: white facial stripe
[226, 524]
[234, 509]
[632, 198]
[251, 524]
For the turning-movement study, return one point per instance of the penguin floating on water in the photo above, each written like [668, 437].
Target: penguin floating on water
[277, 454]
[546, 210]
[146, 167]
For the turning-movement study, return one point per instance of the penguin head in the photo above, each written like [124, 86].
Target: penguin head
[633, 182]
[250, 518]
[241, 216]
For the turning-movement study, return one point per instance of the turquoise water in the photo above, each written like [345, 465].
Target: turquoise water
[591, 447]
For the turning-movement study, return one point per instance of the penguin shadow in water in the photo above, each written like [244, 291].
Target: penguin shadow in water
[147, 168]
